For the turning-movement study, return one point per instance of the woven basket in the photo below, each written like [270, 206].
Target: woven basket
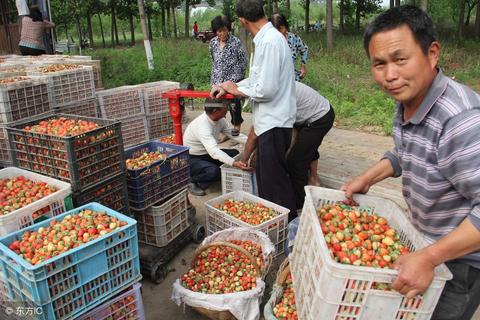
[277, 290]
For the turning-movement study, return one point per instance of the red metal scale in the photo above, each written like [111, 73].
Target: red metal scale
[175, 99]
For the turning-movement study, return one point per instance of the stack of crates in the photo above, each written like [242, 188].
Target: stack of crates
[21, 97]
[157, 193]
[125, 104]
[156, 108]
[74, 282]
[92, 162]
[326, 289]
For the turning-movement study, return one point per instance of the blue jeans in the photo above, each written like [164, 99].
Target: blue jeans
[204, 169]
[461, 295]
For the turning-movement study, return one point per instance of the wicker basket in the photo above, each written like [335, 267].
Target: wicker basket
[277, 290]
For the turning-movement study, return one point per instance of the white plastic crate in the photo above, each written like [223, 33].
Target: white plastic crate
[69, 86]
[126, 306]
[5, 158]
[120, 103]
[86, 108]
[234, 179]
[23, 99]
[159, 125]
[134, 130]
[325, 289]
[152, 95]
[58, 202]
[275, 229]
[161, 223]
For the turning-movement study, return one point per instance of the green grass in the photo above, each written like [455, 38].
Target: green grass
[342, 76]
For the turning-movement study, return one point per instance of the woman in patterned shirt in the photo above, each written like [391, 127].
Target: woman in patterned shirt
[229, 62]
[296, 44]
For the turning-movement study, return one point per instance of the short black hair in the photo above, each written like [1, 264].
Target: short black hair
[415, 18]
[279, 20]
[251, 10]
[220, 22]
[212, 105]
[35, 14]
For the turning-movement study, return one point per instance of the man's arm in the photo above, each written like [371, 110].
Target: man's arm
[250, 145]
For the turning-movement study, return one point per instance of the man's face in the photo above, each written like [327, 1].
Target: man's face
[400, 67]
[222, 34]
[220, 113]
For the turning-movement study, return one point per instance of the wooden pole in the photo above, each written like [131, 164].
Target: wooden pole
[146, 40]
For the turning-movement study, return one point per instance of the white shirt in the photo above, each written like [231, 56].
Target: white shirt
[271, 84]
[22, 7]
[202, 135]
[311, 106]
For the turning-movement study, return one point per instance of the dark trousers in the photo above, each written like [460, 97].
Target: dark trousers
[26, 51]
[271, 168]
[461, 295]
[204, 169]
[236, 112]
[304, 151]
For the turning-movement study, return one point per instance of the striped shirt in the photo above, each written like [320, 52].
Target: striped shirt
[437, 153]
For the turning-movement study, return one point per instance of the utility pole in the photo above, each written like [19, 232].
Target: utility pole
[146, 40]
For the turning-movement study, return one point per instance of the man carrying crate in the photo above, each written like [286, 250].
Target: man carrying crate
[206, 157]
[436, 152]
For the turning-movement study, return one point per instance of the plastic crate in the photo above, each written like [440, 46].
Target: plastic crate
[134, 130]
[121, 102]
[163, 222]
[69, 86]
[152, 95]
[5, 159]
[159, 125]
[325, 289]
[111, 193]
[86, 108]
[234, 179]
[161, 179]
[83, 160]
[78, 280]
[23, 99]
[275, 228]
[55, 203]
[126, 306]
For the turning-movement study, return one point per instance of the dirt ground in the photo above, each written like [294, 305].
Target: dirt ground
[343, 155]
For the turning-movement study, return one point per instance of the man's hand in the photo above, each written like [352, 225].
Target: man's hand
[217, 92]
[415, 273]
[303, 71]
[357, 185]
[242, 165]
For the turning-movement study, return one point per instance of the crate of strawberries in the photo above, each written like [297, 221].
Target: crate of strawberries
[126, 306]
[242, 209]
[155, 171]
[26, 197]
[343, 259]
[71, 263]
[76, 149]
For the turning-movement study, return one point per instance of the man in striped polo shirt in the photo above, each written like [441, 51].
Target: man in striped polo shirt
[437, 152]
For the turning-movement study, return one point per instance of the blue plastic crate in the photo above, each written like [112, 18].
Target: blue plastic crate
[78, 280]
[161, 179]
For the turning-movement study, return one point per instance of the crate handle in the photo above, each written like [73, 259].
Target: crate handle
[199, 250]
[147, 168]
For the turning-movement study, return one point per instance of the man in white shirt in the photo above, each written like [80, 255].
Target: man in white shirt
[22, 8]
[271, 88]
[206, 157]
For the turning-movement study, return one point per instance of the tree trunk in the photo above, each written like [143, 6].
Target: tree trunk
[329, 25]
[469, 12]
[79, 31]
[66, 31]
[269, 8]
[424, 5]
[397, 3]
[392, 3]
[357, 18]
[164, 28]
[307, 15]
[275, 6]
[90, 30]
[149, 27]
[101, 29]
[169, 25]
[477, 21]
[187, 18]
[132, 29]
[174, 22]
[461, 18]
[342, 18]
[113, 25]
[288, 8]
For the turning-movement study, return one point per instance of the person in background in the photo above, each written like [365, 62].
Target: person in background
[314, 119]
[195, 30]
[33, 30]
[206, 157]
[271, 88]
[23, 11]
[437, 153]
[296, 44]
[229, 62]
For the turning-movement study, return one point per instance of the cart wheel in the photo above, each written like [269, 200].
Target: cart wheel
[191, 213]
[198, 234]
[158, 273]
